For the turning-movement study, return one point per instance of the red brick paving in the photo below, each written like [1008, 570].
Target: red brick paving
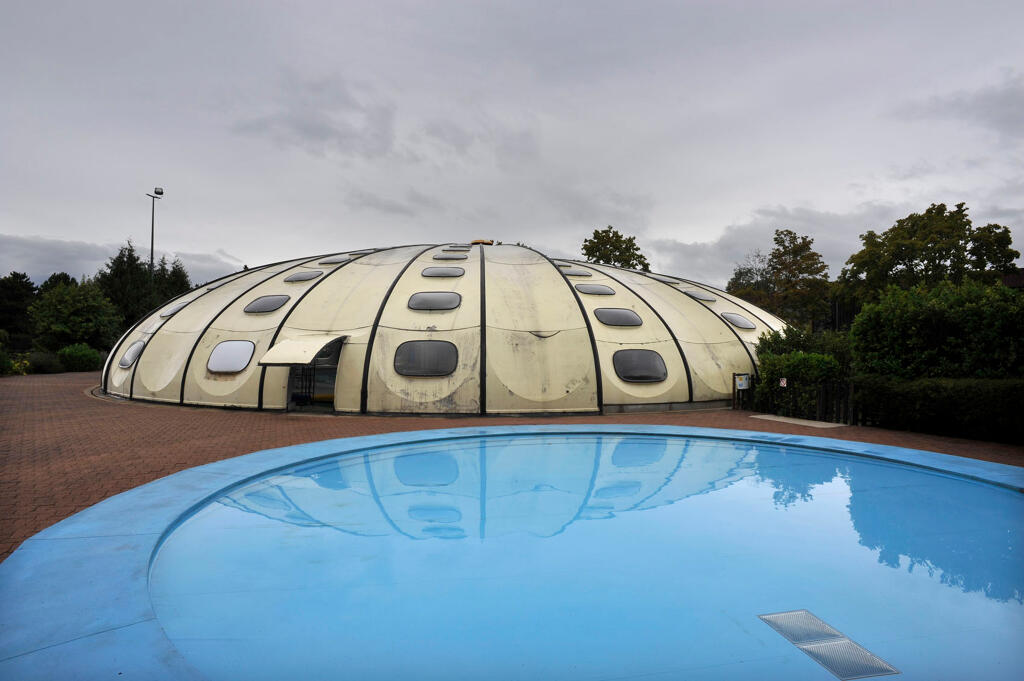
[62, 449]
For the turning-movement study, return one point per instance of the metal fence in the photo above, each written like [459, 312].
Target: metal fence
[832, 401]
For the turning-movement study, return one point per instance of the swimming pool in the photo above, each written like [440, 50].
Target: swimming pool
[594, 553]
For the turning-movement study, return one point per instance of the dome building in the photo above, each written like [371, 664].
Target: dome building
[456, 328]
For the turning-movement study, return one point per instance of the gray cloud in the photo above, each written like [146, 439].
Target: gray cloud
[39, 258]
[414, 203]
[281, 126]
[450, 135]
[588, 209]
[999, 107]
[324, 117]
[835, 237]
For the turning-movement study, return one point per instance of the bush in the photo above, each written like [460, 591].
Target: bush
[80, 357]
[66, 315]
[41, 362]
[6, 363]
[805, 374]
[985, 409]
[971, 330]
[795, 339]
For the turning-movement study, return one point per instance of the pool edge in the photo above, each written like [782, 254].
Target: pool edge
[93, 567]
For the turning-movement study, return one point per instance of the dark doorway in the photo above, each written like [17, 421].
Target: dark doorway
[311, 386]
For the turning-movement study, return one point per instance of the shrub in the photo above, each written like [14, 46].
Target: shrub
[795, 339]
[6, 363]
[986, 409]
[805, 374]
[66, 315]
[971, 330]
[80, 357]
[41, 362]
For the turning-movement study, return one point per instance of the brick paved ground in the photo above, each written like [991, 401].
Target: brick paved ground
[62, 449]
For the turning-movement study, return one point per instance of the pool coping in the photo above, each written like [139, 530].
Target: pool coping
[76, 595]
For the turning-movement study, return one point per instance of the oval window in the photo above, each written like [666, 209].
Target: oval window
[131, 354]
[435, 300]
[595, 289]
[738, 320]
[169, 312]
[335, 260]
[450, 256]
[617, 316]
[230, 357]
[266, 304]
[701, 295]
[362, 252]
[576, 273]
[443, 272]
[426, 358]
[639, 366]
[667, 280]
[304, 276]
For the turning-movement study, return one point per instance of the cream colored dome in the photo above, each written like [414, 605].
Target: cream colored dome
[441, 329]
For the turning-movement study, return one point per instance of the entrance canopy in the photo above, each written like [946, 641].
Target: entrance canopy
[301, 350]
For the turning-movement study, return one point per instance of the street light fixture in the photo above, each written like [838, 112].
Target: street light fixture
[158, 192]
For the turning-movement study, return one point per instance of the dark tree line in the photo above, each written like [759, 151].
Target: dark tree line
[71, 323]
[920, 250]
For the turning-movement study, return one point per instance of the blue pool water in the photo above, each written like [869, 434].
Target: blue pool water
[593, 557]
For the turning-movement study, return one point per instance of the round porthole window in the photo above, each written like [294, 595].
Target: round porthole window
[131, 354]
[230, 357]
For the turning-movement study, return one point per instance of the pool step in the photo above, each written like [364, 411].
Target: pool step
[827, 646]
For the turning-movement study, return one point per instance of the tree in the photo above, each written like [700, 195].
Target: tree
[57, 279]
[66, 315]
[799, 278]
[16, 294]
[170, 281]
[126, 282]
[791, 281]
[609, 247]
[751, 280]
[925, 249]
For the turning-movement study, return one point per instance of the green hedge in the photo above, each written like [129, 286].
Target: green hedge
[805, 374]
[80, 357]
[42, 362]
[971, 330]
[983, 409]
[795, 339]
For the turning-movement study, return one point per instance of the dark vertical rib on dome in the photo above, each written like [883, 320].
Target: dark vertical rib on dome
[483, 334]
[753, 363]
[120, 342]
[138, 359]
[586, 320]
[364, 390]
[679, 347]
[733, 301]
[135, 365]
[199, 338]
[277, 332]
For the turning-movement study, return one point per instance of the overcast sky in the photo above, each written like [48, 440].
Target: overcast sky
[285, 129]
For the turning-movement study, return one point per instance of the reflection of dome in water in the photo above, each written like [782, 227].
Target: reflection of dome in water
[495, 488]
[455, 328]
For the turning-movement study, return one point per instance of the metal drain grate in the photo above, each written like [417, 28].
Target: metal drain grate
[800, 626]
[826, 646]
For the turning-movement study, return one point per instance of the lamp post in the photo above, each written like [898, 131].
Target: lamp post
[158, 192]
